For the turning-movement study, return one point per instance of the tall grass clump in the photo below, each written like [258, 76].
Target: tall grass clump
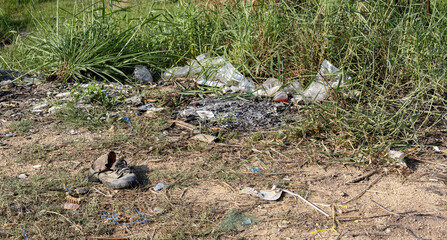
[394, 50]
[97, 41]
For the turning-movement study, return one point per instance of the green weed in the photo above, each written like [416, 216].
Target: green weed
[23, 126]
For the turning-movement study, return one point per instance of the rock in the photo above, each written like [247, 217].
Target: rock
[142, 74]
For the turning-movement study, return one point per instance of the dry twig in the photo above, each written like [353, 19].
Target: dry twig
[364, 191]
[358, 179]
[382, 207]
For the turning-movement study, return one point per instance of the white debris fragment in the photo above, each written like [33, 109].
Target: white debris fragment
[269, 195]
[63, 95]
[53, 109]
[396, 155]
[23, 176]
[206, 114]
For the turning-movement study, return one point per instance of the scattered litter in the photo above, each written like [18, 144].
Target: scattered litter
[146, 107]
[71, 199]
[77, 211]
[135, 100]
[271, 88]
[9, 134]
[37, 166]
[214, 72]
[159, 186]
[398, 158]
[247, 221]
[23, 176]
[396, 155]
[234, 220]
[328, 78]
[436, 148]
[24, 233]
[115, 217]
[269, 195]
[204, 138]
[71, 206]
[254, 169]
[127, 120]
[306, 201]
[149, 108]
[142, 74]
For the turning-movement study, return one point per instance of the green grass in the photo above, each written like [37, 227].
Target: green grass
[21, 126]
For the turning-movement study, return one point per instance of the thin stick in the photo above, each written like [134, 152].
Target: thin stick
[68, 220]
[311, 204]
[183, 124]
[358, 179]
[153, 233]
[364, 191]
[382, 207]
[102, 192]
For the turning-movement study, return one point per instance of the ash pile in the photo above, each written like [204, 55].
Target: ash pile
[248, 114]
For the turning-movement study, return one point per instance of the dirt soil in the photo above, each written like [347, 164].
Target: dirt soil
[203, 183]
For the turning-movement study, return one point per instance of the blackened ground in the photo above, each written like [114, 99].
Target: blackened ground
[248, 113]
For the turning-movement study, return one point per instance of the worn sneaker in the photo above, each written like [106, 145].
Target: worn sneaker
[113, 173]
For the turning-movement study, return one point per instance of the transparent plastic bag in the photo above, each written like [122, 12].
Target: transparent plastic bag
[328, 78]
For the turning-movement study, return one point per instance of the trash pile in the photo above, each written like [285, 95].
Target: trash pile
[237, 113]
[216, 72]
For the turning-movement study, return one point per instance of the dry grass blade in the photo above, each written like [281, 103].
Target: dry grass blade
[79, 228]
